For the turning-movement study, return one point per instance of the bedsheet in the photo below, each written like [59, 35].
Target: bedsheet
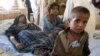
[8, 47]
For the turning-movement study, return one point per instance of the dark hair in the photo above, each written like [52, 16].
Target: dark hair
[80, 9]
[52, 5]
[16, 21]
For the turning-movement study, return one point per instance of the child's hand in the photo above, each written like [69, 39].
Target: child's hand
[20, 45]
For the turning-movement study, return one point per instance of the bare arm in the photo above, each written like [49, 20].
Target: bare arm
[13, 40]
[16, 43]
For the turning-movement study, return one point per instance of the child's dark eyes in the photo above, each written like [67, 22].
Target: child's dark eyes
[84, 22]
[77, 21]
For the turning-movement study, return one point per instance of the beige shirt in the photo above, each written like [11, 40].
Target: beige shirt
[61, 47]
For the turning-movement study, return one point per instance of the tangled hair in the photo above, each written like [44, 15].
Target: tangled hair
[52, 5]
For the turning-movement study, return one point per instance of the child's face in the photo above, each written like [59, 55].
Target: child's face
[78, 23]
[54, 10]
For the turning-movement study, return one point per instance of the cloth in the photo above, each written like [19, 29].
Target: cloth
[14, 30]
[29, 9]
[32, 38]
[36, 40]
[61, 47]
[50, 26]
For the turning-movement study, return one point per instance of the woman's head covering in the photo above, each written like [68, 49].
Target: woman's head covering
[96, 3]
[16, 21]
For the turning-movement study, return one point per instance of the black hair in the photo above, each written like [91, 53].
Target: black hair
[52, 5]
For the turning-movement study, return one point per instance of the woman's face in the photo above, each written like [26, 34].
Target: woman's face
[22, 19]
[54, 10]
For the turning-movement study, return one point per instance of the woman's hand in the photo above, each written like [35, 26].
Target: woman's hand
[16, 43]
[20, 45]
[58, 28]
[31, 24]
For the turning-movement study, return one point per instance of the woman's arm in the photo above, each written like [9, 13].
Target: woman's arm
[11, 32]
[16, 43]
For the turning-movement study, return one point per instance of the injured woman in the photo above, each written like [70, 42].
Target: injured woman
[27, 37]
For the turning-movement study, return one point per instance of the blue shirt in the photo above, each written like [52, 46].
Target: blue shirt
[49, 26]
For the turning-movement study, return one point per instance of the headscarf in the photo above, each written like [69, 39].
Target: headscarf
[16, 21]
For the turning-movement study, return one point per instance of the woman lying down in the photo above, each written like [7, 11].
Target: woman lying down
[29, 37]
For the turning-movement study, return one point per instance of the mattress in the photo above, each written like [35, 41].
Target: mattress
[6, 46]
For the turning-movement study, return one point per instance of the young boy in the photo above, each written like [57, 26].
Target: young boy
[74, 40]
[51, 22]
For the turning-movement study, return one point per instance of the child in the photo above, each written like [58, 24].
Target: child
[74, 40]
[51, 22]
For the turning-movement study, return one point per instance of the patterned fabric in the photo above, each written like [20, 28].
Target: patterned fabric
[14, 30]
[33, 38]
